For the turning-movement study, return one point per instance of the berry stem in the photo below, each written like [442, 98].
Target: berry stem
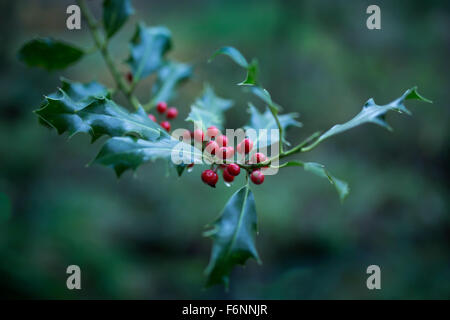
[297, 149]
[102, 46]
[274, 112]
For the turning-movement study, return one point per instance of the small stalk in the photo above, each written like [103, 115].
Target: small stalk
[301, 146]
[274, 112]
[102, 46]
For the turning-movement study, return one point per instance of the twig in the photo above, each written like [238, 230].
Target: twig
[102, 45]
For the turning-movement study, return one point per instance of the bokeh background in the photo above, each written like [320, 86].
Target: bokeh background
[140, 236]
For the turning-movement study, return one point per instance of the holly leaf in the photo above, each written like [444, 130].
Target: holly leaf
[264, 95]
[252, 68]
[252, 74]
[318, 169]
[233, 53]
[170, 75]
[232, 234]
[208, 110]
[373, 113]
[180, 168]
[49, 54]
[74, 112]
[147, 49]
[81, 92]
[267, 121]
[115, 14]
[128, 153]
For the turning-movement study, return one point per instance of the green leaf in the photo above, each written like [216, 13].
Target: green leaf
[115, 14]
[82, 92]
[96, 115]
[239, 59]
[264, 95]
[49, 54]
[148, 46]
[318, 169]
[124, 153]
[170, 75]
[233, 53]
[208, 110]
[373, 113]
[232, 234]
[414, 95]
[266, 121]
[252, 74]
[180, 169]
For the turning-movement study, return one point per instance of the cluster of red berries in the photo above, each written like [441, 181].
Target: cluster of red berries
[161, 107]
[218, 146]
[171, 113]
[229, 171]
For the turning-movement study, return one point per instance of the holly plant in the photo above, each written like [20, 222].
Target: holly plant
[135, 137]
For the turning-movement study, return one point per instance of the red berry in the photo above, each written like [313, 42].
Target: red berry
[212, 132]
[222, 153]
[245, 146]
[172, 113]
[233, 169]
[210, 177]
[225, 152]
[258, 157]
[257, 177]
[227, 177]
[198, 135]
[212, 147]
[187, 136]
[165, 125]
[152, 117]
[222, 141]
[190, 165]
[230, 151]
[161, 107]
[130, 77]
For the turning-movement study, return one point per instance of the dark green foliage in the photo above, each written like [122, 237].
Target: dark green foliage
[115, 14]
[49, 54]
[169, 77]
[133, 139]
[147, 49]
[209, 109]
[233, 234]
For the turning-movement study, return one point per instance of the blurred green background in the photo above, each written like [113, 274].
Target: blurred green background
[140, 236]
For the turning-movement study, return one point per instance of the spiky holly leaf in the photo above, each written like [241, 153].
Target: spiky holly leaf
[128, 153]
[208, 110]
[267, 121]
[318, 169]
[147, 49]
[49, 54]
[373, 113]
[251, 79]
[233, 234]
[84, 108]
[115, 14]
[170, 75]
[83, 93]
[252, 68]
